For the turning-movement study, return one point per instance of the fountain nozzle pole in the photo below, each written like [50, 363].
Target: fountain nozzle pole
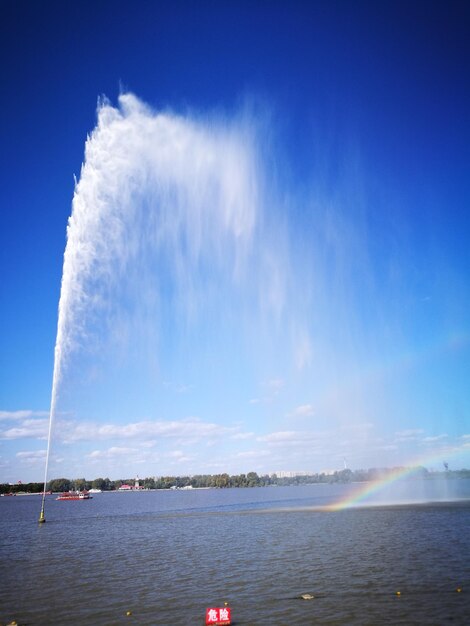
[42, 519]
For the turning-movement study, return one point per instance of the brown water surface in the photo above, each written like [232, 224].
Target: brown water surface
[166, 556]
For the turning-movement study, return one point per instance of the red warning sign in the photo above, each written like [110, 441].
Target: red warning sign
[218, 617]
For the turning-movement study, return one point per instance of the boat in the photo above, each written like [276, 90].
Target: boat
[74, 495]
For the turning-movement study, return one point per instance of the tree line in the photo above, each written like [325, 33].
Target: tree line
[221, 481]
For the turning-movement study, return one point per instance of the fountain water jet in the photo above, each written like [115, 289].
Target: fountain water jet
[169, 192]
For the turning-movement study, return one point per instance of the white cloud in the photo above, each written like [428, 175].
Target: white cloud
[191, 429]
[178, 456]
[314, 449]
[283, 437]
[410, 434]
[29, 429]
[304, 410]
[22, 414]
[242, 436]
[175, 454]
[34, 457]
[151, 443]
[434, 439]
[112, 453]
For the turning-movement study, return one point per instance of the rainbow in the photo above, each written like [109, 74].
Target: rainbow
[365, 490]
[455, 341]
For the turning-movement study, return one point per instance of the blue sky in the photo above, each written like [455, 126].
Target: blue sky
[304, 300]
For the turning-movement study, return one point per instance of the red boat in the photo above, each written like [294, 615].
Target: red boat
[74, 495]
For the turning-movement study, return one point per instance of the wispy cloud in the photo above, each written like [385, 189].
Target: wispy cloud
[304, 410]
[329, 448]
[435, 438]
[191, 429]
[112, 453]
[410, 434]
[22, 414]
[35, 457]
[281, 437]
[28, 429]
[242, 436]
[178, 456]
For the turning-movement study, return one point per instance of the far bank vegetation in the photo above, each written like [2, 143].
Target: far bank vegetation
[222, 481]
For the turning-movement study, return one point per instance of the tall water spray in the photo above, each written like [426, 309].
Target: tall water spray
[172, 193]
[179, 237]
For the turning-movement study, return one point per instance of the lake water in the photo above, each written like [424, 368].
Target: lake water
[167, 555]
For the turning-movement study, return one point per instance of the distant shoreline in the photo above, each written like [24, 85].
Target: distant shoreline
[223, 481]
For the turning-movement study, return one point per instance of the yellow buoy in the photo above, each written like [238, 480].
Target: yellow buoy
[128, 613]
[459, 589]
[398, 593]
[42, 519]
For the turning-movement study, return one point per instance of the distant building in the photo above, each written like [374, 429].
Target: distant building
[284, 474]
[135, 487]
